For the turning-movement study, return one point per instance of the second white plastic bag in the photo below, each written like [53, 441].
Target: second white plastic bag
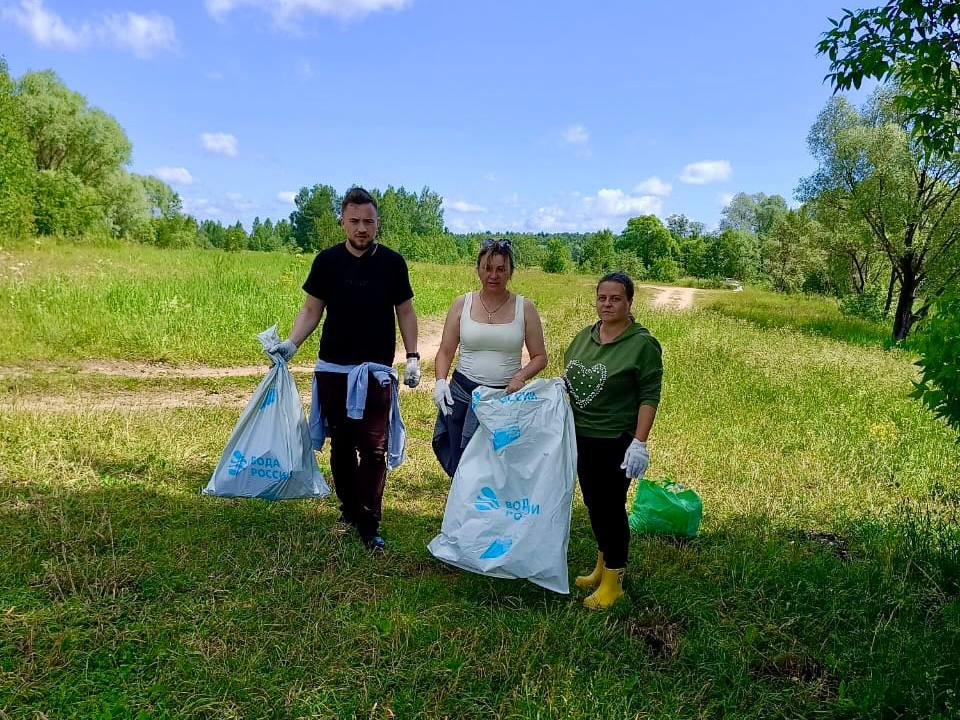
[508, 511]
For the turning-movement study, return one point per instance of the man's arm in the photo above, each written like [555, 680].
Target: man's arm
[407, 320]
[307, 319]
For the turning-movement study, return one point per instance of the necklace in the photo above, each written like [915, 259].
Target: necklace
[491, 313]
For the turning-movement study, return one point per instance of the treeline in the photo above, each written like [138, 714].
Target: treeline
[879, 226]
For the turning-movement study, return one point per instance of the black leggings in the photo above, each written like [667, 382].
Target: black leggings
[604, 486]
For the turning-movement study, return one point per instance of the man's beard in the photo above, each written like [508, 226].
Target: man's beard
[361, 248]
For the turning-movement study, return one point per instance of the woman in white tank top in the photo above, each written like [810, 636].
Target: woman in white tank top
[491, 328]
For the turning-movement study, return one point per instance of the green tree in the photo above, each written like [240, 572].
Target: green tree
[732, 254]
[236, 238]
[598, 254]
[870, 171]
[664, 269]
[648, 239]
[64, 205]
[162, 200]
[315, 222]
[66, 134]
[428, 220]
[213, 233]
[915, 43]
[17, 168]
[791, 249]
[938, 343]
[558, 257]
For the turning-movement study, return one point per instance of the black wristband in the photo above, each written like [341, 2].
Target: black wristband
[413, 355]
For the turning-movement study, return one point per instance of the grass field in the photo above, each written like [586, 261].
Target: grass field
[824, 584]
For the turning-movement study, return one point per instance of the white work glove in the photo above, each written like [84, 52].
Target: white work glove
[411, 372]
[442, 397]
[286, 349]
[636, 459]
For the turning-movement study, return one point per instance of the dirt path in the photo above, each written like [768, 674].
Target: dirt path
[166, 399]
[672, 298]
[429, 342]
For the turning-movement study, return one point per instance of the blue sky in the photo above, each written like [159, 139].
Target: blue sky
[523, 115]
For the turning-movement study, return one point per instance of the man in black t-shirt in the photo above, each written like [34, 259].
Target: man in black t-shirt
[362, 285]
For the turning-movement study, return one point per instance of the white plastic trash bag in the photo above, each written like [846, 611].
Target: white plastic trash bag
[508, 511]
[269, 454]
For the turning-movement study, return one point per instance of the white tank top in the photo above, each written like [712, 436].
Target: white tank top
[490, 353]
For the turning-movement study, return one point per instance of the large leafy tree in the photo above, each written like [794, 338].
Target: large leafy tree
[870, 171]
[917, 44]
[17, 169]
[315, 223]
[792, 250]
[68, 136]
[938, 342]
[647, 238]
[756, 214]
[557, 259]
[598, 254]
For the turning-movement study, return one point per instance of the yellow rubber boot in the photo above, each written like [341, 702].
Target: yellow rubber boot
[610, 590]
[591, 581]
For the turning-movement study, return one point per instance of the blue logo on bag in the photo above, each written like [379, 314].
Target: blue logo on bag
[504, 436]
[518, 397]
[269, 399]
[517, 509]
[498, 548]
[237, 463]
[486, 500]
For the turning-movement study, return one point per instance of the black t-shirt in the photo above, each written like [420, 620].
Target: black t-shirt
[360, 295]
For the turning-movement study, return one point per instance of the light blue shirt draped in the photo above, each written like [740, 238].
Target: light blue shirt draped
[358, 378]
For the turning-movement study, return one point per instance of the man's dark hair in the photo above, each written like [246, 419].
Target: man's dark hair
[623, 279]
[357, 196]
[497, 246]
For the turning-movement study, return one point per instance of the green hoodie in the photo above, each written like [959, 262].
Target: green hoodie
[608, 383]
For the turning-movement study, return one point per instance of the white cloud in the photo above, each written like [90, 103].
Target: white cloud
[220, 142]
[466, 224]
[576, 135]
[228, 208]
[46, 28]
[706, 171]
[284, 12]
[201, 208]
[654, 186]
[463, 206]
[286, 196]
[175, 175]
[614, 203]
[725, 198]
[143, 35]
[607, 208]
[511, 200]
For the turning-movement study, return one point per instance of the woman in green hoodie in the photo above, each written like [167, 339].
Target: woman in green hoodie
[613, 371]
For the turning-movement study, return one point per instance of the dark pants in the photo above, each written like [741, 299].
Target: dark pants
[357, 449]
[452, 432]
[604, 486]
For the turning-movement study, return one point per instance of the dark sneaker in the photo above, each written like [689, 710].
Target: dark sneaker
[374, 542]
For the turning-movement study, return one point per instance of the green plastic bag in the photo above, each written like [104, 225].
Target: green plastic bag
[662, 507]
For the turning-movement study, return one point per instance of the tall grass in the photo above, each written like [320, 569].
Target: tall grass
[813, 314]
[824, 583]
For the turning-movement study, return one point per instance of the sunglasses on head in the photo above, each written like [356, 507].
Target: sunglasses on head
[503, 243]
